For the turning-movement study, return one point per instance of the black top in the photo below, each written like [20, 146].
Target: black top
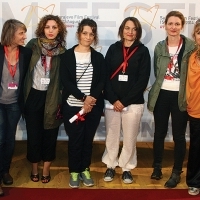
[68, 76]
[138, 71]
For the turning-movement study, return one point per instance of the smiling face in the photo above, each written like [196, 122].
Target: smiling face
[51, 29]
[130, 31]
[173, 26]
[19, 37]
[86, 37]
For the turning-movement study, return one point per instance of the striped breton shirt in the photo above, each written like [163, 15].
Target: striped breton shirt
[84, 73]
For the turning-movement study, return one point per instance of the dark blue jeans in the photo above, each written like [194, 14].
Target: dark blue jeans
[166, 105]
[9, 118]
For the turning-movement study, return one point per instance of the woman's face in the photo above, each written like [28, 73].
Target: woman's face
[86, 37]
[19, 37]
[51, 29]
[130, 31]
[197, 37]
[173, 26]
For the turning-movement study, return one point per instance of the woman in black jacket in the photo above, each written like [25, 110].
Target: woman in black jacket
[128, 70]
[83, 78]
[14, 61]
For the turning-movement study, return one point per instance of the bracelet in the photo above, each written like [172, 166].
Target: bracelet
[84, 97]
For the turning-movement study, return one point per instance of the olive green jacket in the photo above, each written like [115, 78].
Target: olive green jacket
[53, 97]
[161, 61]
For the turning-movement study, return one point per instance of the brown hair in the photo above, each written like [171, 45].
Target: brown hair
[175, 13]
[196, 28]
[39, 32]
[91, 23]
[137, 25]
[8, 31]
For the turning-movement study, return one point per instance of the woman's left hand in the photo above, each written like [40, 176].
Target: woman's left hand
[118, 106]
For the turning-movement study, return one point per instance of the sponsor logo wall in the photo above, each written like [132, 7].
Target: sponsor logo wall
[108, 15]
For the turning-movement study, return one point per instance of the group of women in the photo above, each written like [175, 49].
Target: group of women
[38, 78]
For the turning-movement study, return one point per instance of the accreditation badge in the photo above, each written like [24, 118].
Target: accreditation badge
[123, 77]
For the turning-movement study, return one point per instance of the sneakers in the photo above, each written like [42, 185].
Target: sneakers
[174, 179]
[157, 174]
[109, 175]
[127, 177]
[86, 178]
[193, 191]
[74, 181]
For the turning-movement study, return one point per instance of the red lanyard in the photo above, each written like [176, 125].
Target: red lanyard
[44, 63]
[125, 54]
[125, 63]
[13, 69]
[171, 60]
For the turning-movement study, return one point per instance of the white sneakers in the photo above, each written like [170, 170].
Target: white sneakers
[193, 191]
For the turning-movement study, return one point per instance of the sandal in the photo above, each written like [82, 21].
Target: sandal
[34, 177]
[45, 179]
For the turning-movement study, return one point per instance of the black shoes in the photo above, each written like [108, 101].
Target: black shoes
[173, 180]
[127, 177]
[7, 179]
[109, 175]
[157, 174]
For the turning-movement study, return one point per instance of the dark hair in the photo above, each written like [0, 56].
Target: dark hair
[137, 25]
[8, 31]
[91, 23]
[39, 32]
[175, 13]
[196, 28]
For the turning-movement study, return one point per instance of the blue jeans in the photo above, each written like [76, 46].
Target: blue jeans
[9, 118]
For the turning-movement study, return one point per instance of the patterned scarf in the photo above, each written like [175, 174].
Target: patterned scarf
[50, 47]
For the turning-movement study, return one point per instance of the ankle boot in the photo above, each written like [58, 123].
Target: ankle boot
[157, 173]
[174, 179]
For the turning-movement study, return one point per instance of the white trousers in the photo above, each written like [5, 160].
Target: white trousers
[127, 122]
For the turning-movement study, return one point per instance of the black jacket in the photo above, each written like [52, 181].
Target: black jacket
[138, 71]
[68, 76]
[24, 59]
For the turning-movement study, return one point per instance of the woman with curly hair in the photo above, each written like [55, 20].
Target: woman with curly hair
[42, 94]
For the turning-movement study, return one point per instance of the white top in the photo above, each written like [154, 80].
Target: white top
[84, 74]
[172, 76]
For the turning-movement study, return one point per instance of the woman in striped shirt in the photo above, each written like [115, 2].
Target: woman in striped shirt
[83, 78]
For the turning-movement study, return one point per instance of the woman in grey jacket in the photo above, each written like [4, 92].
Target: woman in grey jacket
[167, 95]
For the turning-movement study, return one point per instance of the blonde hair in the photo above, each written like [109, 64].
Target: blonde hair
[196, 28]
[9, 29]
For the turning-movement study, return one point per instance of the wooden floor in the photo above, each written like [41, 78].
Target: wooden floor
[20, 168]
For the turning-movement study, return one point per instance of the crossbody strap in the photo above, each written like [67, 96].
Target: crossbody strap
[83, 72]
[124, 62]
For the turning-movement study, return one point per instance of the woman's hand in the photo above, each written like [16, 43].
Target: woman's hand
[118, 106]
[88, 104]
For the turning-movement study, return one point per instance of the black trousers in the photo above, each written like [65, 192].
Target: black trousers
[81, 135]
[41, 143]
[167, 103]
[193, 165]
